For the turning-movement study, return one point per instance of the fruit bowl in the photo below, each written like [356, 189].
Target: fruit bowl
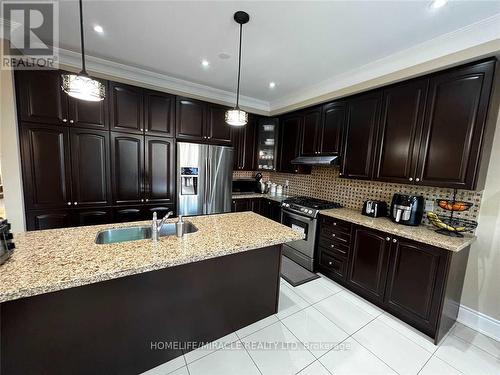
[451, 226]
[452, 205]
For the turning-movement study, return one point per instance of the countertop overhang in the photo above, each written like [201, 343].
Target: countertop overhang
[51, 260]
[423, 233]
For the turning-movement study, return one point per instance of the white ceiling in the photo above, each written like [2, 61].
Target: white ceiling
[298, 45]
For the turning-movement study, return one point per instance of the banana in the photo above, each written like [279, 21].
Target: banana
[439, 223]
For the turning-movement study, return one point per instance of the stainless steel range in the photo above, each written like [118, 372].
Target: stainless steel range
[300, 214]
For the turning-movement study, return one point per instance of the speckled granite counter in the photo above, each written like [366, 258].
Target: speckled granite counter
[422, 233]
[273, 197]
[51, 260]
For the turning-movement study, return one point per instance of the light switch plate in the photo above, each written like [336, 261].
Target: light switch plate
[429, 205]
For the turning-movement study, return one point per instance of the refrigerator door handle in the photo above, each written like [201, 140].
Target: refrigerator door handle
[205, 192]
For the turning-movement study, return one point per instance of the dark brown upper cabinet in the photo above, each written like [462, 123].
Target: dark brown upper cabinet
[329, 140]
[87, 114]
[360, 135]
[159, 113]
[40, 97]
[311, 127]
[454, 128]
[244, 140]
[46, 166]
[290, 132]
[368, 263]
[217, 131]
[126, 108]
[159, 170]
[400, 131]
[90, 169]
[127, 168]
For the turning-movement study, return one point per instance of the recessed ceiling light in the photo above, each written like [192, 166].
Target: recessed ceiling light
[98, 29]
[205, 63]
[272, 85]
[436, 4]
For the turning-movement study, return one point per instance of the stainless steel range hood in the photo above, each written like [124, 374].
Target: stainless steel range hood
[316, 160]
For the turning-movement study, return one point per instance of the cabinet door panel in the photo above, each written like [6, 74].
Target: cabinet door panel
[362, 121]
[190, 119]
[90, 167]
[416, 281]
[289, 136]
[127, 167]
[368, 263]
[51, 219]
[218, 132]
[330, 137]
[90, 216]
[45, 163]
[128, 214]
[310, 129]
[160, 113]
[240, 205]
[40, 97]
[126, 108]
[249, 145]
[159, 169]
[453, 127]
[161, 211]
[399, 133]
[89, 114]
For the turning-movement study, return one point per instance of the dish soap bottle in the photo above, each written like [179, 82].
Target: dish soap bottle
[179, 227]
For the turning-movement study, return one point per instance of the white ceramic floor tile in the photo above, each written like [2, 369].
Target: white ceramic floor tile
[315, 331]
[482, 341]
[209, 348]
[351, 358]
[436, 366]
[245, 331]
[467, 358]
[290, 302]
[400, 353]
[167, 367]
[329, 283]
[276, 351]
[416, 336]
[361, 303]
[226, 361]
[315, 368]
[181, 371]
[345, 314]
[314, 291]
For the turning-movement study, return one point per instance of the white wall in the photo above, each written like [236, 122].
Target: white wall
[482, 283]
[10, 153]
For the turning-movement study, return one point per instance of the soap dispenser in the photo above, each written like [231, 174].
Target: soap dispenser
[179, 227]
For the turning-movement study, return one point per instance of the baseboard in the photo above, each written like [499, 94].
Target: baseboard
[479, 322]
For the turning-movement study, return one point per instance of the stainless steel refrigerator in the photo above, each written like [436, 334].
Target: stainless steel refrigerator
[204, 178]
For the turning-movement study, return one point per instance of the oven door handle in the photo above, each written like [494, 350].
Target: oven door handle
[295, 216]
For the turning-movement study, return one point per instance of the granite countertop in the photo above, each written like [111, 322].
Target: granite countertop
[50, 260]
[273, 197]
[423, 233]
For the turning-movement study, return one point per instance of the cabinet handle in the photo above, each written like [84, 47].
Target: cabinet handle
[388, 238]
[333, 235]
[411, 179]
[142, 200]
[394, 240]
[209, 137]
[146, 130]
[417, 179]
[69, 203]
[147, 200]
[65, 120]
[334, 224]
[332, 246]
[329, 263]
[71, 121]
[340, 174]
[75, 203]
[142, 129]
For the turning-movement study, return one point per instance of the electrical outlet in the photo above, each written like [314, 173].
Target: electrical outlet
[429, 205]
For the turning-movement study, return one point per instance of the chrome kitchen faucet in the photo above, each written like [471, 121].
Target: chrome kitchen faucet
[156, 226]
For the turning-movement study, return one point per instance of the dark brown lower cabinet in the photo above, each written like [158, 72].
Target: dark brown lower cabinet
[262, 206]
[91, 216]
[241, 205]
[418, 283]
[138, 213]
[48, 219]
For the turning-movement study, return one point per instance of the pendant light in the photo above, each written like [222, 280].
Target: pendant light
[235, 116]
[81, 86]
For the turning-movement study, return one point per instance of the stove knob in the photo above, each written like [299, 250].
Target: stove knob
[288, 205]
[310, 211]
[302, 209]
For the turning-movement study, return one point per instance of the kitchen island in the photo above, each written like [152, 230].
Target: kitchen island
[69, 305]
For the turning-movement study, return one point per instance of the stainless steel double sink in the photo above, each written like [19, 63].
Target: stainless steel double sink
[138, 233]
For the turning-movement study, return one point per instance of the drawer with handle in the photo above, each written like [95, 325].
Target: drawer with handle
[334, 265]
[334, 247]
[336, 225]
[333, 235]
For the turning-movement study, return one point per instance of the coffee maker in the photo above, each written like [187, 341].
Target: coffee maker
[407, 209]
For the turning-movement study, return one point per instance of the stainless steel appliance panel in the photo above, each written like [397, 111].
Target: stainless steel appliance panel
[302, 224]
[220, 179]
[192, 172]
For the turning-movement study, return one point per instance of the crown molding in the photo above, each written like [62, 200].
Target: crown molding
[472, 41]
[108, 69]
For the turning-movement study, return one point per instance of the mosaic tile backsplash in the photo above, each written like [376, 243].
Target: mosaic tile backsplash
[325, 183]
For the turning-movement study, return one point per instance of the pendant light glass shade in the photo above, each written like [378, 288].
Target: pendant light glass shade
[83, 87]
[236, 117]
